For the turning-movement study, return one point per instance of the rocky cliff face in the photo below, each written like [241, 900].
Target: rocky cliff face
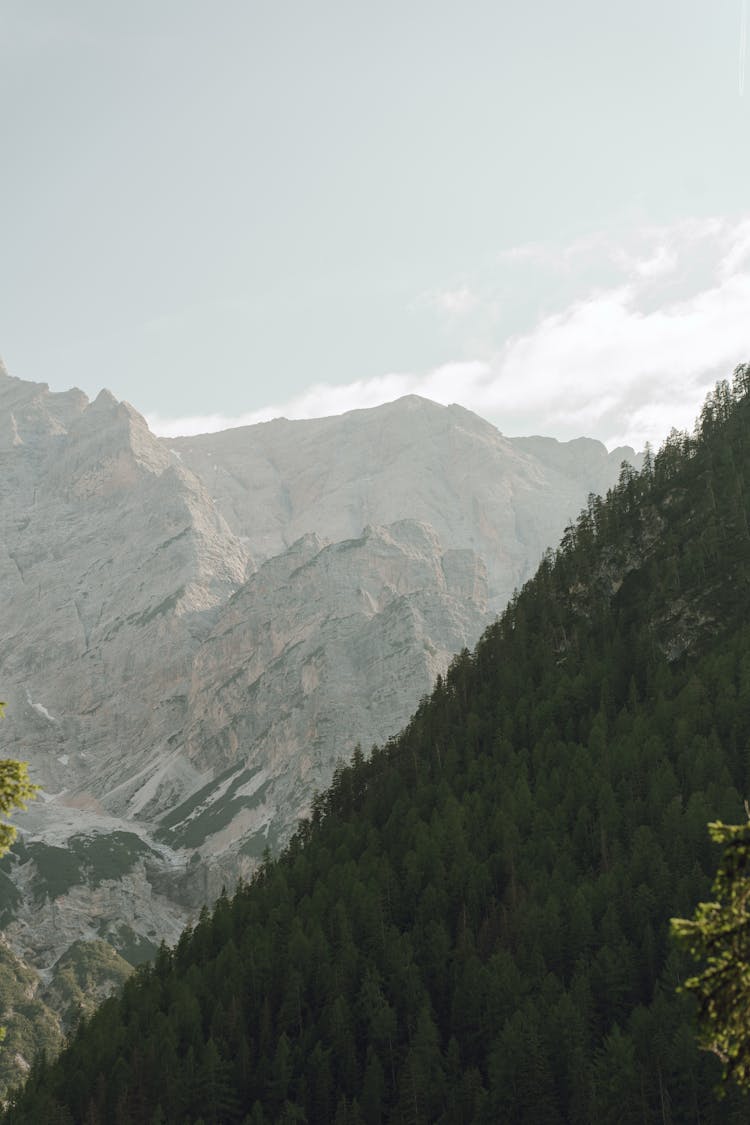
[325, 647]
[507, 499]
[114, 566]
[38, 1012]
[195, 631]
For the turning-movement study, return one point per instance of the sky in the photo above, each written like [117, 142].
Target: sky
[230, 211]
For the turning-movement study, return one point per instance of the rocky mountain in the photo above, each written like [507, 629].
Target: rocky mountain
[39, 1011]
[195, 631]
[505, 498]
[474, 923]
[325, 647]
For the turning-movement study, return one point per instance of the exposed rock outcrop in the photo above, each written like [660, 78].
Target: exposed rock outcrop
[195, 631]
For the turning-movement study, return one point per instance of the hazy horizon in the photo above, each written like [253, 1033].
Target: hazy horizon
[274, 210]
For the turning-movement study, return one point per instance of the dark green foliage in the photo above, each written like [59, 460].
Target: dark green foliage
[132, 947]
[472, 927]
[85, 859]
[198, 818]
[718, 935]
[16, 789]
[58, 869]
[10, 897]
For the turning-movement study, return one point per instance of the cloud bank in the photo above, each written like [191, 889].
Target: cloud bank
[624, 361]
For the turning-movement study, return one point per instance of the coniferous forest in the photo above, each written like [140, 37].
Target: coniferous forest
[473, 925]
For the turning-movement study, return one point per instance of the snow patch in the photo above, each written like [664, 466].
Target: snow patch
[252, 786]
[246, 822]
[213, 797]
[40, 709]
[165, 766]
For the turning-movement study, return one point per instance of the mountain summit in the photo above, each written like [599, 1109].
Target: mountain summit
[196, 631]
[506, 498]
[472, 925]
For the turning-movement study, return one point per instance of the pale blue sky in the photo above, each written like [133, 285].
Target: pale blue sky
[240, 208]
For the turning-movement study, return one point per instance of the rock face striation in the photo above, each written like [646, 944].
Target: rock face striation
[507, 499]
[195, 631]
[323, 648]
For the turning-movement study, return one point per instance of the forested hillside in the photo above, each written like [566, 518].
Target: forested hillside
[473, 926]
[270, 595]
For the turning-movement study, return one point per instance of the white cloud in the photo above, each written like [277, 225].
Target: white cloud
[451, 302]
[323, 399]
[455, 301]
[662, 261]
[624, 362]
[737, 255]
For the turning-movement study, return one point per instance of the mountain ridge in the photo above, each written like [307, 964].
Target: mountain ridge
[278, 480]
[120, 559]
[472, 924]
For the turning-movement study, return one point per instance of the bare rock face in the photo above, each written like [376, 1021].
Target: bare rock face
[37, 1013]
[196, 631]
[325, 647]
[507, 499]
[114, 566]
[116, 563]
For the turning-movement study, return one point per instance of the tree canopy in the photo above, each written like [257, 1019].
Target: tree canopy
[718, 935]
[473, 924]
[16, 789]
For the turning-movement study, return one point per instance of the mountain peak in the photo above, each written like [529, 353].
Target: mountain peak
[104, 399]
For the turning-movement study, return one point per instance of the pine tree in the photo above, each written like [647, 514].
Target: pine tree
[15, 790]
[718, 935]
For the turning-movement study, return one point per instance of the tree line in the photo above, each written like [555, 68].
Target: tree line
[472, 926]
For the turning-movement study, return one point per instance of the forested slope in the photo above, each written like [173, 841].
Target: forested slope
[473, 927]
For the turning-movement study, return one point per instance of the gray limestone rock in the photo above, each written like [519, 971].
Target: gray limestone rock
[507, 499]
[196, 631]
[324, 648]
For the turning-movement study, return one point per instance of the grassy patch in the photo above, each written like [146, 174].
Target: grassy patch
[254, 846]
[86, 973]
[190, 833]
[58, 869]
[86, 860]
[130, 946]
[183, 811]
[30, 1025]
[10, 896]
[109, 856]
